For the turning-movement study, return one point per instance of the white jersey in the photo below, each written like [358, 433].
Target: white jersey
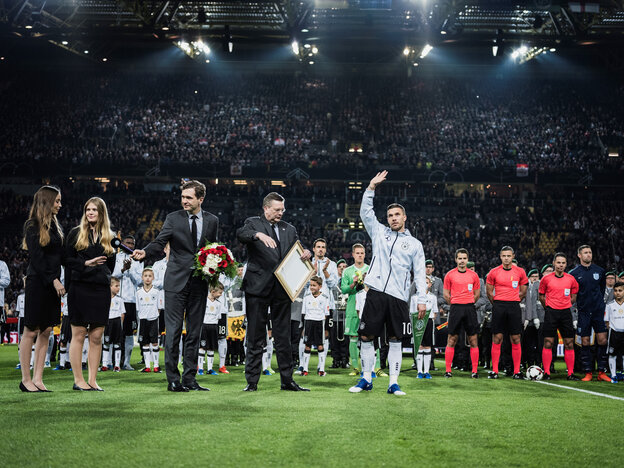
[614, 314]
[214, 310]
[315, 308]
[159, 268]
[431, 303]
[130, 279]
[117, 308]
[360, 299]
[19, 305]
[148, 303]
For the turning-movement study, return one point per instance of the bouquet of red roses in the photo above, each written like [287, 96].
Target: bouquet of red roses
[213, 260]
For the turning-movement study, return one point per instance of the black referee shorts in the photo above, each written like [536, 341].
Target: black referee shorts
[381, 309]
[558, 319]
[463, 314]
[506, 317]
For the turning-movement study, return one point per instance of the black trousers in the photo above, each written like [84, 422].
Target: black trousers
[192, 300]
[257, 316]
[295, 336]
[530, 346]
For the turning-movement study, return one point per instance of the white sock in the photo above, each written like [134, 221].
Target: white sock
[419, 361]
[85, 350]
[209, 360]
[325, 349]
[322, 357]
[117, 357]
[201, 359]
[147, 356]
[612, 364]
[427, 355]
[301, 349]
[367, 358]
[63, 356]
[128, 347]
[105, 357]
[222, 352]
[50, 346]
[394, 361]
[305, 361]
[269, 353]
[155, 354]
[32, 356]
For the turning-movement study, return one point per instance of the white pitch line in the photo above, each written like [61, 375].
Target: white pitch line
[584, 391]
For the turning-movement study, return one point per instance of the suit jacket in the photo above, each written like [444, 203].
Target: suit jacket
[262, 260]
[177, 232]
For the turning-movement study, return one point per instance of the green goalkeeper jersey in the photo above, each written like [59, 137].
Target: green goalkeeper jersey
[345, 286]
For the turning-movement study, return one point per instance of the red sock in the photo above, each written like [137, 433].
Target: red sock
[568, 356]
[496, 350]
[516, 355]
[547, 359]
[449, 354]
[474, 357]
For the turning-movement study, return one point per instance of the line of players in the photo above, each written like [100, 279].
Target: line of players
[508, 303]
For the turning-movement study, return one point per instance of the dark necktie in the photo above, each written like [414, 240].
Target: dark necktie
[194, 230]
[275, 236]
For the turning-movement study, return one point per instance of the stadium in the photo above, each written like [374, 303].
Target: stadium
[500, 126]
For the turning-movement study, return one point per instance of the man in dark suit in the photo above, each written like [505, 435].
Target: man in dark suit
[186, 230]
[268, 240]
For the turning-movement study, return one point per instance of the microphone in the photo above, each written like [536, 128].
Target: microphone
[116, 242]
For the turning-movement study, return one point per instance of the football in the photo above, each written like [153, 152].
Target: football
[534, 373]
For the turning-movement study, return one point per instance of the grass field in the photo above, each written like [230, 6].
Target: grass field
[440, 422]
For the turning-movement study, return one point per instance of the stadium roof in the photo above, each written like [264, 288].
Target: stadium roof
[110, 25]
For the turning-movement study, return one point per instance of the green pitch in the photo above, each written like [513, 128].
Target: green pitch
[440, 422]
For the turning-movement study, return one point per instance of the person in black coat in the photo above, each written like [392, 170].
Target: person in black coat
[90, 262]
[43, 238]
[268, 239]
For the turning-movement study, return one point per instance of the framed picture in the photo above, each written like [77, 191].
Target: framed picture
[294, 273]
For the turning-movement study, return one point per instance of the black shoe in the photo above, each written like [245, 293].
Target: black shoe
[475, 375]
[23, 388]
[448, 375]
[509, 373]
[176, 387]
[492, 375]
[546, 376]
[252, 387]
[519, 376]
[97, 389]
[196, 387]
[573, 378]
[292, 386]
[80, 389]
[335, 364]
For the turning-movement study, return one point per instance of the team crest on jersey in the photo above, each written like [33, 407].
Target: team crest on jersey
[596, 276]
[405, 245]
[362, 325]
[470, 287]
[514, 284]
[387, 237]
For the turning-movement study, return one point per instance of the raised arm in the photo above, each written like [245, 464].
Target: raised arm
[367, 211]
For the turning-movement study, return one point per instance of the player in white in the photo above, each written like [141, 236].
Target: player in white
[314, 311]
[113, 334]
[208, 341]
[129, 273]
[614, 318]
[423, 358]
[160, 268]
[148, 301]
[19, 308]
[396, 255]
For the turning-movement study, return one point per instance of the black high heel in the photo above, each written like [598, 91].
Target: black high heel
[80, 389]
[23, 388]
[96, 389]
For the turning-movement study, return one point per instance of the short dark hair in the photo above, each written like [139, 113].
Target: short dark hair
[357, 245]
[217, 287]
[460, 251]
[396, 205]
[507, 248]
[429, 262]
[619, 284]
[560, 254]
[583, 247]
[317, 279]
[200, 189]
[271, 197]
[129, 236]
[320, 239]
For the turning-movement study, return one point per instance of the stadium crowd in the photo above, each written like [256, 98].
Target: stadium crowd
[307, 121]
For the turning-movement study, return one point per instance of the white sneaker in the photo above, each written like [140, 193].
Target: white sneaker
[47, 364]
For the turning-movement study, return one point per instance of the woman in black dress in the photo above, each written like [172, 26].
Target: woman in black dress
[43, 238]
[90, 261]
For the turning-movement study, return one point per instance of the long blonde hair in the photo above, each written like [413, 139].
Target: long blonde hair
[41, 214]
[102, 228]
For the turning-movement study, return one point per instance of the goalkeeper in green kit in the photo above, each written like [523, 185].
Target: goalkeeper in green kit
[352, 282]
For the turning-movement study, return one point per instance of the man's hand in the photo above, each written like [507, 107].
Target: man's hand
[378, 179]
[138, 255]
[422, 310]
[327, 262]
[266, 240]
[306, 255]
[126, 265]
